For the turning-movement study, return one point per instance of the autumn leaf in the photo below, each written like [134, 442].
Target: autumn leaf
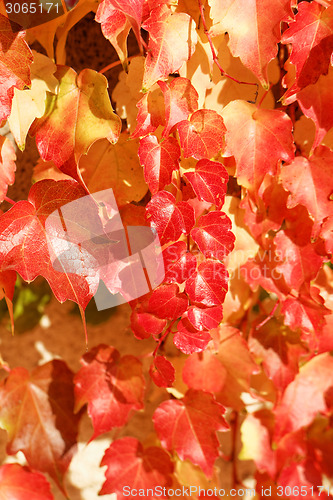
[188, 339]
[305, 397]
[30, 103]
[166, 302]
[170, 219]
[213, 235]
[202, 136]
[18, 483]
[208, 285]
[162, 372]
[114, 166]
[311, 36]
[150, 112]
[181, 100]
[79, 115]
[172, 39]
[131, 467]
[15, 61]
[205, 318]
[258, 139]
[209, 181]
[7, 166]
[111, 385]
[179, 263]
[253, 29]
[188, 426]
[37, 413]
[159, 161]
[29, 252]
[145, 324]
[204, 372]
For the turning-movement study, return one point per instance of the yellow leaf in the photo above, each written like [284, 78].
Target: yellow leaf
[114, 166]
[30, 104]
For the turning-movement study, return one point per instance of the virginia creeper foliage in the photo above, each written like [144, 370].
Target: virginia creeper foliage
[219, 136]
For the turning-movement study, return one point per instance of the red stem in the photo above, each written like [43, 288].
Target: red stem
[9, 200]
[215, 59]
[270, 316]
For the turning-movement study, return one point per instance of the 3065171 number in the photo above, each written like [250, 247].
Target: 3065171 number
[32, 8]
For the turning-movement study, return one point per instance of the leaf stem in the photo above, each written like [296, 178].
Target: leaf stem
[270, 316]
[215, 58]
[113, 65]
[9, 200]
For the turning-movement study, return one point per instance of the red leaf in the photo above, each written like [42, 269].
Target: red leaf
[111, 385]
[208, 285]
[28, 252]
[258, 139]
[18, 483]
[213, 235]
[172, 39]
[162, 372]
[7, 284]
[316, 102]
[204, 372]
[311, 36]
[7, 165]
[166, 302]
[145, 324]
[179, 264]
[310, 184]
[305, 397]
[16, 59]
[205, 318]
[130, 467]
[159, 160]
[37, 413]
[115, 26]
[181, 99]
[188, 339]
[300, 264]
[209, 181]
[202, 136]
[151, 113]
[170, 219]
[188, 426]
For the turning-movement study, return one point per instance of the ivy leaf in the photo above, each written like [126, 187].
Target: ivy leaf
[205, 318]
[188, 426]
[209, 181]
[180, 99]
[150, 113]
[162, 372]
[253, 33]
[309, 394]
[166, 302]
[315, 102]
[7, 166]
[37, 413]
[172, 39]
[258, 139]
[15, 61]
[30, 103]
[80, 114]
[130, 465]
[28, 252]
[159, 160]
[179, 264]
[213, 235]
[188, 339]
[170, 219]
[114, 166]
[18, 483]
[208, 285]
[111, 385]
[204, 372]
[309, 184]
[311, 36]
[145, 324]
[202, 136]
